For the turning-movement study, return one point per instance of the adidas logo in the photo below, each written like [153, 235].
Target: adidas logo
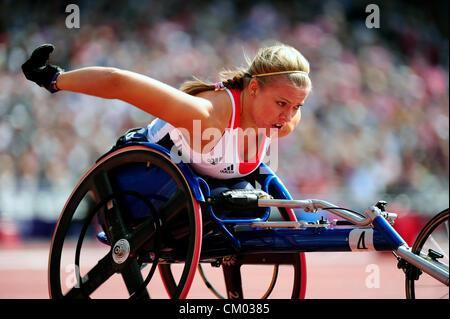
[228, 170]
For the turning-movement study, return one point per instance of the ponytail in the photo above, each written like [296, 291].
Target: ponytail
[196, 86]
[270, 62]
[230, 79]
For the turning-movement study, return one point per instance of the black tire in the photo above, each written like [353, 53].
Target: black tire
[437, 226]
[105, 198]
[232, 272]
[231, 269]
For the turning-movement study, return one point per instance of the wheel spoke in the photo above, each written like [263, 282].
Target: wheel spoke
[112, 216]
[100, 273]
[232, 271]
[114, 183]
[132, 276]
[146, 231]
[233, 280]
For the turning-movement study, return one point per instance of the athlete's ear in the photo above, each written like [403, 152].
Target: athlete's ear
[253, 87]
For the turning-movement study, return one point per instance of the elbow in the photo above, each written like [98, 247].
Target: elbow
[206, 111]
[114, 77]
[207, 108]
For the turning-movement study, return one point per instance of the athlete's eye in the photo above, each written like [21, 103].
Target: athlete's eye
[281, 103]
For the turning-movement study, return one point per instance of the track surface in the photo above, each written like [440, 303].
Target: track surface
[23, 275]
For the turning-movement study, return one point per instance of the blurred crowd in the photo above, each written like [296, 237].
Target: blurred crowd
[376, 125]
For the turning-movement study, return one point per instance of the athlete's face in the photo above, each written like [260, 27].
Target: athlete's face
[277, 107]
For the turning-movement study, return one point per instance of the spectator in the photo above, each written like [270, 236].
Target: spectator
[375, 126]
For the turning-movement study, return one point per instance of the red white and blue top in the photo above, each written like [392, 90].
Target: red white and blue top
[224, 160]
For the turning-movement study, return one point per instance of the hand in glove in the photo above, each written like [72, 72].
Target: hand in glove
[38, 70]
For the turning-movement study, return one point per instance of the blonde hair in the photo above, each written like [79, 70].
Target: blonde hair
[268, 64]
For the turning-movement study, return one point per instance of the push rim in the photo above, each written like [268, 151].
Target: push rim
[106, 266]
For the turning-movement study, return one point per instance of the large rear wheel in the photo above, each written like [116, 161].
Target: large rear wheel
[279, 275]
[141, 206]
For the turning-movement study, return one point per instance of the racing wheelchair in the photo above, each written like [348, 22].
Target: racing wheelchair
[148, 210]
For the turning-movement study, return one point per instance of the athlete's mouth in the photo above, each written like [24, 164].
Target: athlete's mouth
[278, 125]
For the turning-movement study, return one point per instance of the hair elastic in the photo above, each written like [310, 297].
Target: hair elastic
[280, 72]
[219, 86]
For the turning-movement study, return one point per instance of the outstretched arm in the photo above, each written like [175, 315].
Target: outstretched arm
[150, 95]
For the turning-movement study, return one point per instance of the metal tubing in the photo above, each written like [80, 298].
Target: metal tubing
[312, 205]
[298, 240]
[423, 264]
[381, 223]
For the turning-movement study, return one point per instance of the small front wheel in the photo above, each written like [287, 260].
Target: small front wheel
[432, 241]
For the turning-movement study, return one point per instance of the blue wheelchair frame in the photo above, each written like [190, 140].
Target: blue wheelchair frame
[136, 180]
[369, 232]
[385, 238]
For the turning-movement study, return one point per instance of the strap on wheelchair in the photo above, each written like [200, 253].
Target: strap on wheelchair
[136, 135]
[238, 198]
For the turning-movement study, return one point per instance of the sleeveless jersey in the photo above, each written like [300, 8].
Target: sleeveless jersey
[223, 161]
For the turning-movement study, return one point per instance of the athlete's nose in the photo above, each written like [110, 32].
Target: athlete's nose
[286, 116]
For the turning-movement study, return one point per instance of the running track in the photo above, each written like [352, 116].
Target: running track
[23, 275]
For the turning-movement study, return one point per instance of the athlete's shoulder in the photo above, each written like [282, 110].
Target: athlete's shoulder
[222, 109]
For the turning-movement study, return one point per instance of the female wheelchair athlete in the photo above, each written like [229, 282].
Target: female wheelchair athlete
[148, 207]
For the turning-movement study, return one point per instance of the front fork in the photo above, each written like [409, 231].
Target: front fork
[404, 254]
[413, 265]
[379, 218]
[375, 215]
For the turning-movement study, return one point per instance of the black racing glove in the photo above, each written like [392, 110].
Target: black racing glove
[38, 70]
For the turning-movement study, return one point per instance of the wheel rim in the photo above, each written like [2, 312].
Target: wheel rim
[234, 268]
[130, 273]
[435, 235]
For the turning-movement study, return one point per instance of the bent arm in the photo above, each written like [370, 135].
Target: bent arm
[149, 95]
